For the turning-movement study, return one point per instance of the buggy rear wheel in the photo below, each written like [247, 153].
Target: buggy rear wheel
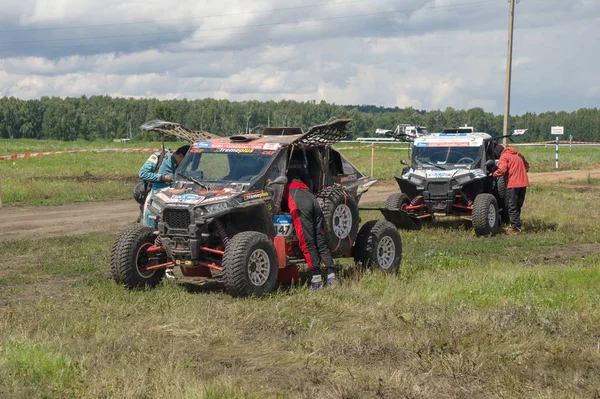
[129, 258]
[485, 216]
[340, 216]
[250, 265]
[379, 244]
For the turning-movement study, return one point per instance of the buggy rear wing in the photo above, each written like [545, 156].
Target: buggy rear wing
[324, 135]
[176, 130]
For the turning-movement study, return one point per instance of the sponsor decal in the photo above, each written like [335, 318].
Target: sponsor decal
[186, 199]
[196, 149]
[249, 146]
[271, 146]
[257, 195]
[282, 219]
[203, 144]
[236, 150]
[440, 174]
[268, 152]
[216, 198]
[449, 144]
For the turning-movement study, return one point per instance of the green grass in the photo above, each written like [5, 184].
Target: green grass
[496, 317]
[68, 178]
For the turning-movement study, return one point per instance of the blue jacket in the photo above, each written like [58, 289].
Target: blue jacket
[167, 167]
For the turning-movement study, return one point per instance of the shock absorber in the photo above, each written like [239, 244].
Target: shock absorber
[468, 199]
[221, 231]
[416, 200]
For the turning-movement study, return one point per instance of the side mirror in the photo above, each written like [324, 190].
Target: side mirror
[278, 180]
[489, 165]
[403, 162]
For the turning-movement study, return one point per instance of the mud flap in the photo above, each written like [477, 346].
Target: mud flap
[399, 218]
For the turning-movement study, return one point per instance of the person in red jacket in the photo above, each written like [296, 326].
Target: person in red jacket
[308, 223]
[514, 168]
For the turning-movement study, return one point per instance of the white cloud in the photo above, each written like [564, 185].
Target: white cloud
[424, 54]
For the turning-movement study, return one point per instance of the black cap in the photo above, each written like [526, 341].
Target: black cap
[498, 150]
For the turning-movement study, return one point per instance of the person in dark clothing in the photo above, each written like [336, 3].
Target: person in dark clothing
[514, 168]
[308, 223]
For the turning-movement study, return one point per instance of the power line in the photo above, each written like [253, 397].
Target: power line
[417, 10]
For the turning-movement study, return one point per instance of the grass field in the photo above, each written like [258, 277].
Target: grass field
[499, 317]
[67, 178]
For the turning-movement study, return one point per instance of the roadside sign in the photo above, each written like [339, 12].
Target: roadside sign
[518, 132]
[556, 130]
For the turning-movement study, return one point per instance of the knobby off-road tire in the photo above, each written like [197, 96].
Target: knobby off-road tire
[501, 193]
[361, 241]
[250, 265]
[379, 244]
[128, 257]
[485, 216]
[340, 216]
[397, 201]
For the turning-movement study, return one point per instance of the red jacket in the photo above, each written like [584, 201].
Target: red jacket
[514, 167]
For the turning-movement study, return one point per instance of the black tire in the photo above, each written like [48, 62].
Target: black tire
[501, 187]
[340, 216]
[379, 245]
[501, 191]
[485, 216]
[361, 241]
[240, 274]
[128, 256]
[397, 201]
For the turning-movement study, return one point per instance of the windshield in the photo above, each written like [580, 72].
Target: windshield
[224, 164]
[446, 157]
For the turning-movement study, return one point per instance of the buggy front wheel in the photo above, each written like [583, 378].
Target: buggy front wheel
[250, 265]
[485, 216]
[130, 258]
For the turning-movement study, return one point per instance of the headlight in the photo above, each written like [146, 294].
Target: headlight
[415, 180]
[215, 208]
[156, 206]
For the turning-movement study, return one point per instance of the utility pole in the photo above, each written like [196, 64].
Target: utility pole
[511, 21]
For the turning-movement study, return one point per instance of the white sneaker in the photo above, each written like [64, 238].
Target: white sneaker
[169, 273]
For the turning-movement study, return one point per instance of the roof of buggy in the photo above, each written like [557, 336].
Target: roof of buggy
[273, 137]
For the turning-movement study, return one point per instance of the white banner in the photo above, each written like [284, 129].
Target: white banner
[518, 132]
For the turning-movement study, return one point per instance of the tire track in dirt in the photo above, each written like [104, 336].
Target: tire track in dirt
[29, 222]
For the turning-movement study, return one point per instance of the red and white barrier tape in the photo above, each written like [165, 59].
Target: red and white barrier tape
[39, 154]
[368, 146]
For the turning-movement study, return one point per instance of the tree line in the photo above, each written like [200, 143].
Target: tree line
[104, 117]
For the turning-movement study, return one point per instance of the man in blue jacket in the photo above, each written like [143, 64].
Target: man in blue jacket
[161, 178]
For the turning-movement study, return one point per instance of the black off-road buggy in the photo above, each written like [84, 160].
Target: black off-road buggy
[450, 175]
[223, 214]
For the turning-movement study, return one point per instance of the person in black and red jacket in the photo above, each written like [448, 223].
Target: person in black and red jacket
[308, 223]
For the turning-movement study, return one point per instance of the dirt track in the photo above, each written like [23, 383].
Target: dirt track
[20, 223]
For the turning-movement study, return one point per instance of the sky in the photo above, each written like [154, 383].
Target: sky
[407, 53]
